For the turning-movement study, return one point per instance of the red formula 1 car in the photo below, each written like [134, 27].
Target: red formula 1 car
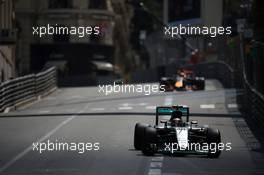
[183, 80]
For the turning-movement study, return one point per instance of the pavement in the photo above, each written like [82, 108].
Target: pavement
[83, 115]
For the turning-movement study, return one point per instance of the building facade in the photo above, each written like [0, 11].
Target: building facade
[34, 51]
[202, 13]
[7, 40]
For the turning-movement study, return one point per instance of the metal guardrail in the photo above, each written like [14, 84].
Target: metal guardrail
[247, 61]
[254, 100]
[254, 104]
[20, 90]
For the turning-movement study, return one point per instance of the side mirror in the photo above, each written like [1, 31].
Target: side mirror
[163, 121]
[194, 122]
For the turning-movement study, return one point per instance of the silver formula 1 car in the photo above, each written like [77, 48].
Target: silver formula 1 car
[174, 133]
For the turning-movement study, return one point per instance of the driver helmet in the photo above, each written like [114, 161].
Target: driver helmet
[176, 122]
[176, 118]
[176, 114]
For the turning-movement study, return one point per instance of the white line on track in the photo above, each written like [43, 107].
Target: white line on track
[125, 108]
[207, 106]
[232, 106]
[97, 109]
[156, 163]
[154, 171]
[44, 112]
[142, 104]
[157, 158]
[150, 107]
[28, 149]
[136, 104]
[125, 104]
[168, 101]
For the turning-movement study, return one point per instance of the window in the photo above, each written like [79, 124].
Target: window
[97, 4]
[183, 9]
[56, 4]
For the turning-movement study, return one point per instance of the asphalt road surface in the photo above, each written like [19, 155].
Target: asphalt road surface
[83, 115]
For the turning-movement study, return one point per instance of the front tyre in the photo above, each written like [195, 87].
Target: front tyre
[213, 140]
[138, 135]
[149, 142]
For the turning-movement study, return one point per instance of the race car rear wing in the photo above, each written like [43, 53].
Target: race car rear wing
[167, 110]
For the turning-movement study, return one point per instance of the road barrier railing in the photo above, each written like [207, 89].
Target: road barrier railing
[246, 58]
[254, 105]
[254, 99]
[24, 89]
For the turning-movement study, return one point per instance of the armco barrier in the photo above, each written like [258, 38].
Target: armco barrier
[253, 102]
[254, 105]
[20, 90]
[247, 59]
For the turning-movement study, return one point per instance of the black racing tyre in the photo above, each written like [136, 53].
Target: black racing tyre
[150, 139]
[202, 85]
[138, 134]
[213, 139]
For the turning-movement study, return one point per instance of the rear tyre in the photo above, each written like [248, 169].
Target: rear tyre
[138, 134]
[213, 140]
[149, 142]
[201, 85]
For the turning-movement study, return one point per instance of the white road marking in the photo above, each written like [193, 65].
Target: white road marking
[156, 164]
[142, 104]
[232, 106]
[44, 112]
[207, 106]
[125, 108]
[28, 149]
[157, 159]
[125, 104]
[130, 104]
[168, 101]
[151, 107]
[154, 172]
[97, 109]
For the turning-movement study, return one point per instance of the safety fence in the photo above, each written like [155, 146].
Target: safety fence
[247, 59]
[253, 81]
[21, 90]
